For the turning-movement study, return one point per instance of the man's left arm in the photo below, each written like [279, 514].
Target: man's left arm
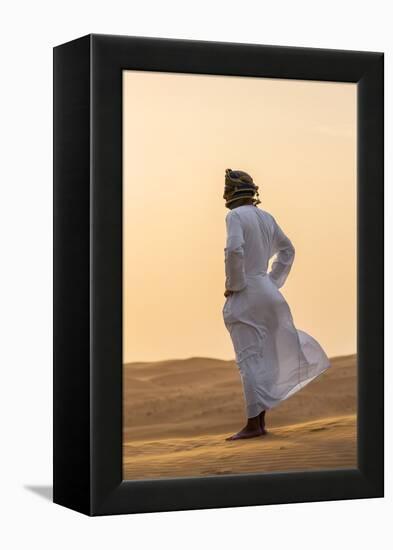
[234, 254]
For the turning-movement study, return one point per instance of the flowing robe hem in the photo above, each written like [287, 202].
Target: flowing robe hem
[255, 408]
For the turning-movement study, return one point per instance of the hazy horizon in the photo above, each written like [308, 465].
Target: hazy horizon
[191, 357]
[181, 131]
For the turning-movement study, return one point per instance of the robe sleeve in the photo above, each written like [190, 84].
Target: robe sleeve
[234, 254]
[285, 251]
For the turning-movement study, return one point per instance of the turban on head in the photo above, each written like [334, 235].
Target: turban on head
[239, 184]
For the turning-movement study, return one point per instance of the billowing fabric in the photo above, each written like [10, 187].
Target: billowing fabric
[275, 359]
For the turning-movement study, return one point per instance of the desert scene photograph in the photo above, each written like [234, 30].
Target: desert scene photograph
[182, 389]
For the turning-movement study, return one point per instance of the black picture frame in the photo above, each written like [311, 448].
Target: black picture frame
[87, 107]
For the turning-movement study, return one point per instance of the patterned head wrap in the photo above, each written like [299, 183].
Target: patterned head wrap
[239, 184]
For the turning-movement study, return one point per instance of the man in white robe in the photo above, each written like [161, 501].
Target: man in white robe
[275, 359]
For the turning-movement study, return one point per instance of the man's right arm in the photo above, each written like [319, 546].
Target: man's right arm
[285, 251]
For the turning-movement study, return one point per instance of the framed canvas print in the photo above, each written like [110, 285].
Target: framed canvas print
[218, 274]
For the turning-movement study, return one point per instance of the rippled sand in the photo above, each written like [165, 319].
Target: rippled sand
[178, 413]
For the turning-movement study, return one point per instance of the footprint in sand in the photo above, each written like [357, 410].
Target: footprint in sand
[216, 472]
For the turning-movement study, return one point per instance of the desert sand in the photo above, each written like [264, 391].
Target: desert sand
[177, 414]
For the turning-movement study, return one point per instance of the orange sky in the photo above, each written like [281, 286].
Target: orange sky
[298, 141]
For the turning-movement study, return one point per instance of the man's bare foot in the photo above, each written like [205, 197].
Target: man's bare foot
[245, 434]
[252, 429]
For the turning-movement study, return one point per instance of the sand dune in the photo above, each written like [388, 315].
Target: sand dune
[177, 414]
